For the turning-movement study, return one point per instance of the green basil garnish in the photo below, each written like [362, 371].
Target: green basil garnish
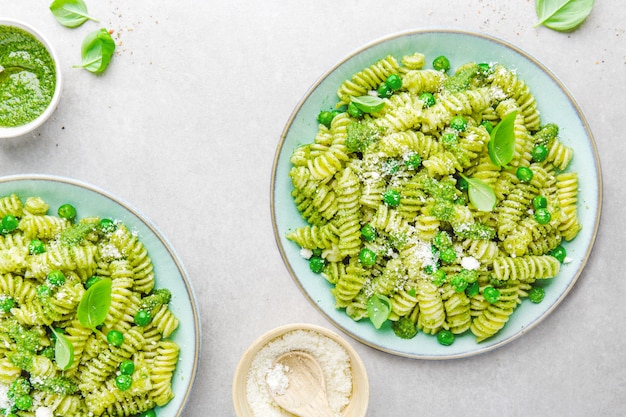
[502, 144]
[70, 13]
[96, 51]
[562, 15]
[94, 306]
[63, 350]
[378, 309]
[369, 104]
[481, 195]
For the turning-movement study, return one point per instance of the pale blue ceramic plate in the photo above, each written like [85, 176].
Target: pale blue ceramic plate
[555, 104]
[169, 271]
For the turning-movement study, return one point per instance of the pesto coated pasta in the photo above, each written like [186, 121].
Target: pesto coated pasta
[53, 355]
[388, 190]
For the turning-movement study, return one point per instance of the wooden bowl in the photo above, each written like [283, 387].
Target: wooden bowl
[359, 397]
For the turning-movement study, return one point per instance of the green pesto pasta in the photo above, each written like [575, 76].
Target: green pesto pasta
[439, 259]
[41, 292]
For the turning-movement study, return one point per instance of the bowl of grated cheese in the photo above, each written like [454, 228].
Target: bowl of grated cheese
[345, 377]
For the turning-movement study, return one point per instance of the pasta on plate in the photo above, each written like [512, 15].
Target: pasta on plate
[53, 354]
[393, 189]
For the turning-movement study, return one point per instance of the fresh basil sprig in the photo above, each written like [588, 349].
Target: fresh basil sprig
[378, 309]
[502, 143]
[368, 104]
[481, 195]
[562, 15]
[70, 13]
[97, 51]
[95, 303]
[63, 350]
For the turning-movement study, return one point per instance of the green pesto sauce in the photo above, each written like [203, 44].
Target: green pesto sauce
[27, 77]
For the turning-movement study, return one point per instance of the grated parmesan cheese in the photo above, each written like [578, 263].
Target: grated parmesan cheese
[332, 357]
[470, 263]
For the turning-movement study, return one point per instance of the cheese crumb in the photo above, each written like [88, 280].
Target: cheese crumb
[277, 379]
[470, 263]
[43, 412]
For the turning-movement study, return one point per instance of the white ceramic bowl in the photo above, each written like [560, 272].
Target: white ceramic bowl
[359, 398]
[11, 132]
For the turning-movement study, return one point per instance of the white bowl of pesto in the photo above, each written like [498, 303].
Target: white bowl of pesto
[30, 78]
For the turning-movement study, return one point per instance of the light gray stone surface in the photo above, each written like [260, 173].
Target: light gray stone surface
[184, 125]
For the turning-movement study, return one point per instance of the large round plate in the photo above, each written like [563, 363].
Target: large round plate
[169, 271]
[555, 104]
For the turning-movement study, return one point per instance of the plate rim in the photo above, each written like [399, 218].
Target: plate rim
[160, 237]
[474, 34]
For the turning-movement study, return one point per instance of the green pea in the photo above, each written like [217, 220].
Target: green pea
[442, 239]
[115, 337]
[24, 402]
[491, 294]
[445, 337]
[107, 225]
[458, 123]
[91, 280]
[394, 82]
[354, 111]
[458, 283]
[441, 63]
[6, 303]
[539, 153]
[325, 117]
[123, 382]
[44, 291]
[439, 277]
[428, 99]
[67, 211]
[413, 161]
[543, 216]
[55, 278]
[367, 257]
[524, 174]
[142, 318]
[487, 125]
[447, 255]
[316, 264]
[9, 223]
[449, 140]
[149, 413]
[539, 202]
[384, 91]
[368, 232]
[484, 68]
[127, 367]
[36, 247]
[559, 253]
[391, 198]
[536, 294]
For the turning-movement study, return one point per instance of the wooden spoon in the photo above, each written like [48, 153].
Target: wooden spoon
[305, 394]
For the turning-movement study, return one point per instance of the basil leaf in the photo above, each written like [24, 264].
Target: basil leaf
[94, 306]
[378, 309]
[63, 350]
[369, 104]
[70, 13]
[502, 144]
[97, 51]
[562, 15]
[481, 195]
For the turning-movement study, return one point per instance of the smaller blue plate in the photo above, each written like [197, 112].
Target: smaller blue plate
[168, 269]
